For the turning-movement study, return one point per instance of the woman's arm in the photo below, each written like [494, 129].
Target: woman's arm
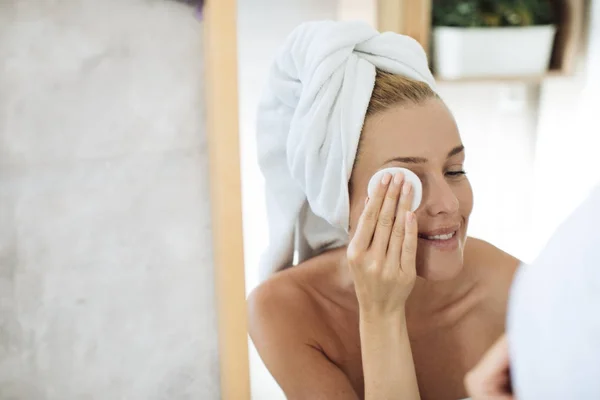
[387, 359]
[382, 257]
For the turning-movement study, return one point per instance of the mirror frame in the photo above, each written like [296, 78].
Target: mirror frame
[222, 127]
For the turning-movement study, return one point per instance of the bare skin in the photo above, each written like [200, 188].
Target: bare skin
[313, 324]
[490, 379]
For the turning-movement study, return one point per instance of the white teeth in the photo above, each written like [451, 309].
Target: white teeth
[441, 237]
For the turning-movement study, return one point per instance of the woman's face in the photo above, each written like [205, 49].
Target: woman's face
[423, 138]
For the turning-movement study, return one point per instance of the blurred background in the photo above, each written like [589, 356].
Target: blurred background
[107, 275]
[522, 79]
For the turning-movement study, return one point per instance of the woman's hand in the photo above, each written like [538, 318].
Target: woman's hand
[382, 252]
[490, 379]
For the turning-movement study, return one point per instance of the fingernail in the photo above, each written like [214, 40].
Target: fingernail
[386, 178]
[406, 188]
[366, 200]
[410, 217]
[398, 179]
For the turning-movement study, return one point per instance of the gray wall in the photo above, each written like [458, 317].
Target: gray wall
[106, 280]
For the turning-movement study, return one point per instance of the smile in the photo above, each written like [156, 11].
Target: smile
[442, 239]
[447, 236]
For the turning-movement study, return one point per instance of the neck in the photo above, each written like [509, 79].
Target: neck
[434, 305]
[431, 304]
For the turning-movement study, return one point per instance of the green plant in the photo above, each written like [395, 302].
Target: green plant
[492, 13]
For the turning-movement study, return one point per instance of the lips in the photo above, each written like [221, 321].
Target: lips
[447, 236]
[443, 239]
[445, 233]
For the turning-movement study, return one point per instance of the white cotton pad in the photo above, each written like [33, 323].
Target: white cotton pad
[409, 176]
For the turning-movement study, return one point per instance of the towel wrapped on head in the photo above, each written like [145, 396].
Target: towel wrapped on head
[309, 124]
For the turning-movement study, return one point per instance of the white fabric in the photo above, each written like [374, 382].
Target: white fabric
[309, 124]
[409, 176]
[554, 313]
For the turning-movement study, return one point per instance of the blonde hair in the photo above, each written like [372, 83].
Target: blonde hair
[393, 90]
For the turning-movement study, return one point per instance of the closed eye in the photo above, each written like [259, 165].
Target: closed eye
[456, 173]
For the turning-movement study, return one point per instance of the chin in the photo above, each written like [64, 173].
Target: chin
[439, 263]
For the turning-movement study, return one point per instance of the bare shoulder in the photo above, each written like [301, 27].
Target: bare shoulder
[296, 293]
[481, 253]
[279, 302]
[287, 325]
[495, 270]
[289, 305]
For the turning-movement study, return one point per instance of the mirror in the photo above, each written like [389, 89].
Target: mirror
[523, 134]
[122, 263]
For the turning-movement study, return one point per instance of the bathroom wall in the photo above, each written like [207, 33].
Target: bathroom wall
[106, 278]
[567, 166]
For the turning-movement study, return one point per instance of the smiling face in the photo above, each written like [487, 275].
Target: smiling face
[422, 137]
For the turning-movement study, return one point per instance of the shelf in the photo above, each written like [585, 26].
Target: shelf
[413, 18]
[505, 79]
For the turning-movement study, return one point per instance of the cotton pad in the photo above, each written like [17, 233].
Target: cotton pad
[409, 176]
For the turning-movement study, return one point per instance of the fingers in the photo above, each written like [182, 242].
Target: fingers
[383, 223]
[490, 379]
[396, 239]
[368, 219]
[407, 197]
[387, 216]
[495, 359]
[408, 259]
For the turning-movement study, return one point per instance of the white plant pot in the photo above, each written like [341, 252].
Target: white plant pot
[487, 52]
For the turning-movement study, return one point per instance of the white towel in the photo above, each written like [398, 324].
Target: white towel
[309, 124]
[554, 314]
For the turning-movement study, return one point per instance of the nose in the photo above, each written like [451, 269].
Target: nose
[438, 197]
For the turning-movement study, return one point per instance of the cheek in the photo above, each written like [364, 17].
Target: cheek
[357, 193]
[464, 194]
[356, 209]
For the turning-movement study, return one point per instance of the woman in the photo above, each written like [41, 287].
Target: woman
[385, 303]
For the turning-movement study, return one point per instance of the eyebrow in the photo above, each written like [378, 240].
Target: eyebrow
[421, 160]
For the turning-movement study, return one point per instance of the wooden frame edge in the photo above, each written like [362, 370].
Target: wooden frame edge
[222, 124]
[569, 35]
[408, 17]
